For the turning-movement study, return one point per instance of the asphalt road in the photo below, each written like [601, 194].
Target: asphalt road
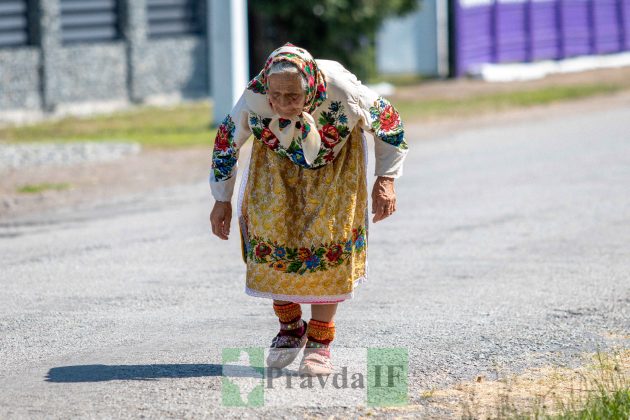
[510, 249]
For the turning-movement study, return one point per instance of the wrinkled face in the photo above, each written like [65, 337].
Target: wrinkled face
[285, 94]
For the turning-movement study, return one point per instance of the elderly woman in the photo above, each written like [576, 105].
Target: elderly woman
[303, 202]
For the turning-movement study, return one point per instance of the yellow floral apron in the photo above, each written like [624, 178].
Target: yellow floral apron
[304, 231]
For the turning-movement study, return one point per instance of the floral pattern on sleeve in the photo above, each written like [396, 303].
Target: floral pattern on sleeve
[386, 123]
[224, 154]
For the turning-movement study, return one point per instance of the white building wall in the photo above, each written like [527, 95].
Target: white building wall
[415, 44]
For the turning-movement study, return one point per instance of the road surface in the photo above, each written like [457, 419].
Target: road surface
[510, 249]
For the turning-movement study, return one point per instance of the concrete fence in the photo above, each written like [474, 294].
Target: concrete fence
[73, 53]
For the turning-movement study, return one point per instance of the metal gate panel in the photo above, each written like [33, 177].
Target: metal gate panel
[513, 31]
[576, 27]
[173, 17]
[14, 30]
[545, 37]
[512, 27]
[89, 20]
[607, 25]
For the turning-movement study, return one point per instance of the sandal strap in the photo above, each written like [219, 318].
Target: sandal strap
[291, 325]
[286, 341]
[317, 344]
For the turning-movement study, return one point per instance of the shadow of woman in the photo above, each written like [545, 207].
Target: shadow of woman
[99, 373]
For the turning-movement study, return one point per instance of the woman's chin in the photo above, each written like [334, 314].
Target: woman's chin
[288, 115]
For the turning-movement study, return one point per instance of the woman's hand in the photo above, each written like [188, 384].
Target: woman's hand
[383, 198]
[220, 219]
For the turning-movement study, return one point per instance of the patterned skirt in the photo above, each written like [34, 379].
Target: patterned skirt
[304, 231]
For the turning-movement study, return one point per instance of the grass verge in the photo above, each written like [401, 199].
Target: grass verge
[416, 110]
[45, 186]
[600, 389]
[189, 124]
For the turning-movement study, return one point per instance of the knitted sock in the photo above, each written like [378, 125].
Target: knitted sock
[290, 317]
[320, 335]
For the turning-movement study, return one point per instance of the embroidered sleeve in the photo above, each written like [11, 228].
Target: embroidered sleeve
[382, 119]
[231, 135]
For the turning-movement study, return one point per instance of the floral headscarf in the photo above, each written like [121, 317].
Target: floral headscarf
[301, 128]
[316, 90]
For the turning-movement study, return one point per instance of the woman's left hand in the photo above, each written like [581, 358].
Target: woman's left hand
[383, 198]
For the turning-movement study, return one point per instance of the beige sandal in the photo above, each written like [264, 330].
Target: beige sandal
[314, 362]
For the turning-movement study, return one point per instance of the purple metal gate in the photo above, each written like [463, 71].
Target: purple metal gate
[503, 31]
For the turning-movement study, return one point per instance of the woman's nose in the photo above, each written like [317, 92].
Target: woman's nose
[283, 102]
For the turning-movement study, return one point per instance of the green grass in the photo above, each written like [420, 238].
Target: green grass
[183, 125]
[610, 396]
[436, 108]
[614, 405]
[45, 186]
[188, 124]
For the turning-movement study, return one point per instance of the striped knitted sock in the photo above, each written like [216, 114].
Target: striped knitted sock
[320, 335]
[290, 317]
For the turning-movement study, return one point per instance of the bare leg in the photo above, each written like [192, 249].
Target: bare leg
[324, 312]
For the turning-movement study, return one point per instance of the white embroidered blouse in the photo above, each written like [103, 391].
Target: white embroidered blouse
[348, 102]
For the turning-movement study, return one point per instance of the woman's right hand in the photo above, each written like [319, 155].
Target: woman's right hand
[220, 218]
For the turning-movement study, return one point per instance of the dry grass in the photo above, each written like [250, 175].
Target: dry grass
[598, 389]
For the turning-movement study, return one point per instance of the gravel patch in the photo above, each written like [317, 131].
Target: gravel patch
[13, 156]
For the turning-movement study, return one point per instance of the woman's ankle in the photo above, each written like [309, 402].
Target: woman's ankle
[281, 302]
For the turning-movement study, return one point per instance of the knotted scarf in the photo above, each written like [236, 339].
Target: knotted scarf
[302, 127]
